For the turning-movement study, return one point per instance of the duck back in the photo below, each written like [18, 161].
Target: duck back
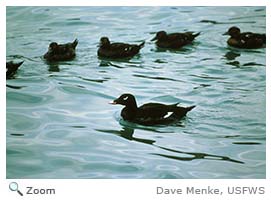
[119, 50]
[176, 40]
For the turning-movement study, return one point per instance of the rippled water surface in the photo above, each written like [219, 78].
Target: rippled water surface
[59, 122]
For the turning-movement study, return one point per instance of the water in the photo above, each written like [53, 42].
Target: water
[59, 122]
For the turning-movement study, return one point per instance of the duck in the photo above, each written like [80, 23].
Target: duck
[117, 50]
[11, 68]
[174, 40]
[61, 52]
[150, 114]
[245, 40]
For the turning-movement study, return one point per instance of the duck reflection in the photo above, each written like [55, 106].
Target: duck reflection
[14, 87]
[53, 67]
[108, 63]
[128, 132]
[196, 155]
[231, 56]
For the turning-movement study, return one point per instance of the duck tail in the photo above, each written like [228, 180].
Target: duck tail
[190, 108]
[11, 68]
[74, 43]
[180, 112]
[20, 63]
[264, 38]
[141, 45]
[196, 34]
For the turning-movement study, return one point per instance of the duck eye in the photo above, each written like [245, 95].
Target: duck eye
[125, 98]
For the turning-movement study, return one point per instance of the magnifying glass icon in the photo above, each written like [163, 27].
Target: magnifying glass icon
[13, 186]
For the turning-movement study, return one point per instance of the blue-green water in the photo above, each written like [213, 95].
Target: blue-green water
[59, 122]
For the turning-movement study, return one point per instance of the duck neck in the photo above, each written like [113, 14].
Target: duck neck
[129, 112]
[132, 106]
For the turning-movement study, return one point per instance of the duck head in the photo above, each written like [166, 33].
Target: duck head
[160, 35]
[104, 42]
[126, 100]
[53, 46]
[233, 32]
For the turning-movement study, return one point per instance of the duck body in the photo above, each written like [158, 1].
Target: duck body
[245, 40]
[151, 113]
[117, 50]
[11, 68]
[61, 52]
[174, 40]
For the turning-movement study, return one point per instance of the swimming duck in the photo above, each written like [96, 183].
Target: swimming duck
[11, 68]
[246, 40]
[61, 52]
[174, 40]
[117, 50]
[150, 113]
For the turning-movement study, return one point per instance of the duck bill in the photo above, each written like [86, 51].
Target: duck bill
[113, 103]
[226, 33]
[155, 38]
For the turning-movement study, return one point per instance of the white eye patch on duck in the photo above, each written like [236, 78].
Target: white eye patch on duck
[125, 98]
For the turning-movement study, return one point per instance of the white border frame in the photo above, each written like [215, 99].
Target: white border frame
[131, 189]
